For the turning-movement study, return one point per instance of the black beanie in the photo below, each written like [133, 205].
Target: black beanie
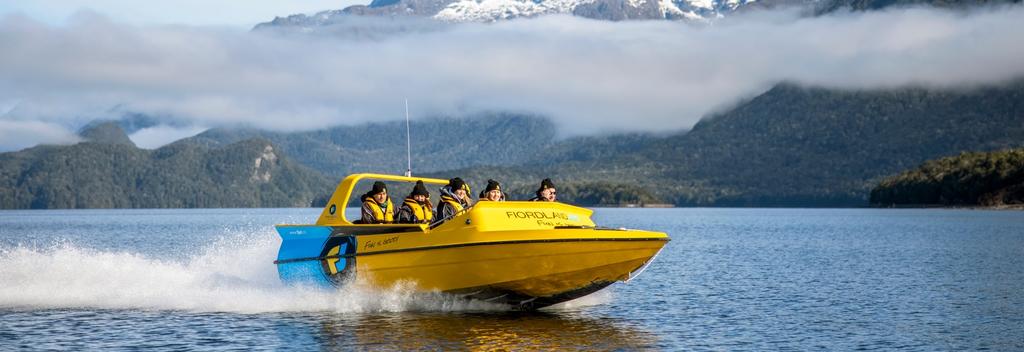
[545, 185]
[377, 188]
[457, 183]
[419, 190]
[492, 185]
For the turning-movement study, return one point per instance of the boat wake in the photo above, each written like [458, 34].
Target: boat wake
[234, 274]
[231, 275]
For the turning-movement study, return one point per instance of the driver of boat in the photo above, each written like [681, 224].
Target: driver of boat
[546, 192]
[377, 207]
[416, 208]
[454, 198]
[493, 192]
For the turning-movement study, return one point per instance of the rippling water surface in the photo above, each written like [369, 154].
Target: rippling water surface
[731, 279]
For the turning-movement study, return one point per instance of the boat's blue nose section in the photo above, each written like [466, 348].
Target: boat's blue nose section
[299, 259]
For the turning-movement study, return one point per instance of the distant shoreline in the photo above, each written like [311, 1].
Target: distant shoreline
[1017, 207]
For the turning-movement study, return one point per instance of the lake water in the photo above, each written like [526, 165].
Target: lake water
[731, 279]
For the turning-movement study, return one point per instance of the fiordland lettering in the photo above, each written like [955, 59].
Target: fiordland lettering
[536, 215]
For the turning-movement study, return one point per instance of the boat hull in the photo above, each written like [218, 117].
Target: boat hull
[520, 271]
[528, 255]
[534, 268]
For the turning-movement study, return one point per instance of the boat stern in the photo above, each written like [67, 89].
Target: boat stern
[299, 260]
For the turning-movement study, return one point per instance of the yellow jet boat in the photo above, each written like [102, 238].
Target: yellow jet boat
[525, 254]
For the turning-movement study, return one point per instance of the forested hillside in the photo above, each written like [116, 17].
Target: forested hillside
[791, 146]
[102, 174]
[813, 145]
[440, 143]
[969, 179]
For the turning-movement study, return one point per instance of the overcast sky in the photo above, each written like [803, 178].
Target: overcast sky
[587, 76]
[235, 13]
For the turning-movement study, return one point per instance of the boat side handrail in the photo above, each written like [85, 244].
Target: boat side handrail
[334, 214]
[437, 222]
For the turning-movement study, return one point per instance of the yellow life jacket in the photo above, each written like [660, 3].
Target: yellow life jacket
[385, 216]
[424, 213]
[451, 201]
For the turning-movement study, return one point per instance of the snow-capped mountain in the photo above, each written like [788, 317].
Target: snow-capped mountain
[495, 10]
[615, 10]
[498, 10]
[441, 11]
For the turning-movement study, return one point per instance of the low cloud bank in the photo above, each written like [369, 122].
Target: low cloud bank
[588, 76]
[160, 135]
[16, 135]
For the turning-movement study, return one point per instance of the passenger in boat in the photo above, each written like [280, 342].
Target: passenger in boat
[377, 207]
[416, 208]
[454, 198]
[546, 192]
[493, 192]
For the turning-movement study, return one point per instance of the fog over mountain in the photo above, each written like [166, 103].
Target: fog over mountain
[588, 76]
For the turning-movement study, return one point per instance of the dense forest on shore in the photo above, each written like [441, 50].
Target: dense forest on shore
[969, 179]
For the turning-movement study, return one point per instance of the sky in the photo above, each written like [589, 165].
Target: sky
[231, 13]
[588, 76]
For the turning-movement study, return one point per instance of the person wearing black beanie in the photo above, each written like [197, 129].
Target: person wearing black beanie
[546, 192]
[454, 198]
[493, 192]
[416, 207]
[377, 207]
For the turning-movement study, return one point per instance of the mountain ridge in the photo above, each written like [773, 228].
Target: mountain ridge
[439, 143]
[791, 146]
[248, 173]
[453, 11]
[105, 132]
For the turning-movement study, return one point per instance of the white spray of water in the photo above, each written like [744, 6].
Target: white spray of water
[231, 275]
[593, 299]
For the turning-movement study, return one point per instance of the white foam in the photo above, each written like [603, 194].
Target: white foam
[234, 274]
[597, 298]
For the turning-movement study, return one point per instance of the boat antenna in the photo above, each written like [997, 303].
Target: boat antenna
[408, 142]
